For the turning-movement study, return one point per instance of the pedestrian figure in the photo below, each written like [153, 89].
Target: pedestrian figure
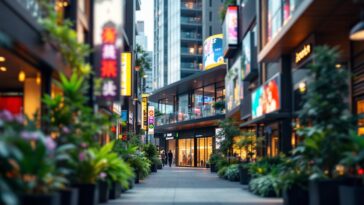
[170, 158]
[163, 156]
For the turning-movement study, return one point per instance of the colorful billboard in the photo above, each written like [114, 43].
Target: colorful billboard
[212, 52]
[126, 74]
[266, 98]
[151, 123]
[231, 25]
[144, 111]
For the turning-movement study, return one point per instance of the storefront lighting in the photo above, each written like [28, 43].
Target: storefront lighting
[21, 76]
[302, 87]
[38, 80]
[3, 69]
[357, 32]
[2, 59]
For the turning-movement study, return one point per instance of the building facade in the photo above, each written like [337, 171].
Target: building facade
[275, 45]
[211, 20]
[178, 40]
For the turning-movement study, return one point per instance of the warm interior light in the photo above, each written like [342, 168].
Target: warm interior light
[357, 32]
[2, 59]
[302, 87]
[38, 80]
[145, 76]
[21, 76]
[3, 69]
[338, 65]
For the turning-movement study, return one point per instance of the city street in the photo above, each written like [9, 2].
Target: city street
[189, 186]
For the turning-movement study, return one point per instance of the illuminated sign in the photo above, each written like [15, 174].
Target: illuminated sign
[231, 25]
[266, 98]
[212, 52]
[144, 111]
[151, 123]
[108, 71]
[303, 53]
[126, 74]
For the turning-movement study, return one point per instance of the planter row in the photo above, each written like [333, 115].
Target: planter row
[324, 192]
[81, 194]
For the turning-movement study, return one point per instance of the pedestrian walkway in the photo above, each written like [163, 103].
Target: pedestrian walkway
[188, 186]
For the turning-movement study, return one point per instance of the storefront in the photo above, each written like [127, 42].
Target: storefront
[191, 149]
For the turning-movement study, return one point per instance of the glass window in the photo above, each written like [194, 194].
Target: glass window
[186, 149]
[204, 150]
[198, 103]
[183, 107]
[209, 100]
[246, 55]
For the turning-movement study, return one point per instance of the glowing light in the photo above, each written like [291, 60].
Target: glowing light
[21, 76]
[38, 80]
[2, 59]
[302, 87]
[3, 69]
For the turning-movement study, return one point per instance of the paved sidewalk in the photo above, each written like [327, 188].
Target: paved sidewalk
[188, 186]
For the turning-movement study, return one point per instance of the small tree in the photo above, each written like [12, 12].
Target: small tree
[142, 60]
[227, 134]
[325, 115]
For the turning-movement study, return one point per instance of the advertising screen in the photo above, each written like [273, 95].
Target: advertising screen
[231, 23]
[266, 98]
[212, 52]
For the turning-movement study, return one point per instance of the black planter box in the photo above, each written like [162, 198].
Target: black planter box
[244, 175]
[153, 168]
[213, 168]
[68, 196]
[136, 180]
[88, 194]
[115, 191]
[326, 192]
[49, 199]
[103, 192]
[351, 195]
[295, 196]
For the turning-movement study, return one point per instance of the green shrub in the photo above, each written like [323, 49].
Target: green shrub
[150, 151]
[222, 171]
[267, 185]
[215, 157]
[232, 173]
[223, 162]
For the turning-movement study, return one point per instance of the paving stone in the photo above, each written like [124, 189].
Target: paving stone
[189, 186]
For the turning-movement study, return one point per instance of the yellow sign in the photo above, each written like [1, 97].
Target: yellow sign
[303, 53]
[126, 74]
[144, 111]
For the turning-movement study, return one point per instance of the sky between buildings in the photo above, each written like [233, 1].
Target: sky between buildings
[146, 14]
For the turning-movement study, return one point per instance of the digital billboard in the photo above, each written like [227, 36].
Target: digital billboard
[266, 98]
[231, 25]
[212, 52]
[126, 74]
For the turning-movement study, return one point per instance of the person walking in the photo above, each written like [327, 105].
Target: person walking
[164, 160]
[170, 158]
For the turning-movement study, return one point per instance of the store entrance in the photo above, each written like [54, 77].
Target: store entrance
[186, 152]
[204, 150]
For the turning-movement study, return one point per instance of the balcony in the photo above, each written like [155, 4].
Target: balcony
[189, 66]
[191, 6]
[193, 114]
[191, 51]
[191, 21]
[193, 36]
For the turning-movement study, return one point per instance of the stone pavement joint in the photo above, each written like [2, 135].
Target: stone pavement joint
[189, 186]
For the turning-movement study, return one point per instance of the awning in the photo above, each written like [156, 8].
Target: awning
[267, 118]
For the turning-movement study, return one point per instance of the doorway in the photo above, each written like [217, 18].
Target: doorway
[204, 150]
[186, 152]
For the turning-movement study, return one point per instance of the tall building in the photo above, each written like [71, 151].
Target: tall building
[178, 40]
[211, 20]
[141, 38]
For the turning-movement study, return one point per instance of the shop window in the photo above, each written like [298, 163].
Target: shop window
[198, 103]
[209, 100]
[360, 111]
[183, 107]
[172, 146]
[242, 153]
[186, 149]
[204, 150]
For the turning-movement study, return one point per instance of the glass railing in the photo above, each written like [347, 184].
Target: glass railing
[32, 6]
[189, 65]
[190, 20]
[191, 35]
[191, 5]
[191, 51]
[192, 114]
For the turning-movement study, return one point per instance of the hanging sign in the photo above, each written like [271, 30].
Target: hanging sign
[144, 111]
[108, 71]
[151, 120]
[126, 74]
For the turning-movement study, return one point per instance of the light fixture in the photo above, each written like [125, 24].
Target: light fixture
[338, 65]
[38, 80]
[2, 59]
[357, 32]
[145, 76]
[3, 69]
[302, 87]
[21, 76]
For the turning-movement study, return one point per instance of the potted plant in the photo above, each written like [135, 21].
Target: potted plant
[215, 156]
[354, 163]
[326, 122]
[219, 105]
[150, 151]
